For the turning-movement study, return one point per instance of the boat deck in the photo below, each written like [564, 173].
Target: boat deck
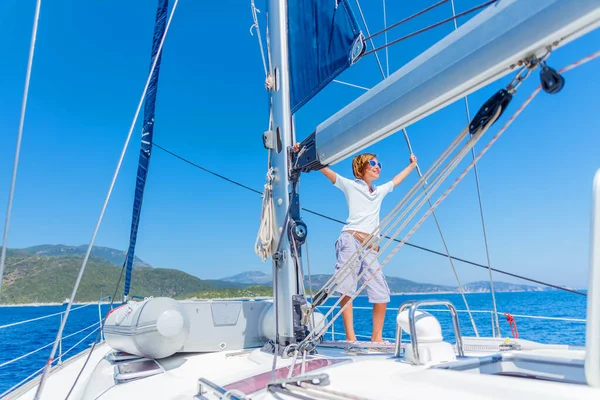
[363, 374]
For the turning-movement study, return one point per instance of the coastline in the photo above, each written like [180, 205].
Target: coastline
[53, 304]
[265, 298]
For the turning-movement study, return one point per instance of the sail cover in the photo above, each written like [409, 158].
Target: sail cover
[147, 134]
[324, 40]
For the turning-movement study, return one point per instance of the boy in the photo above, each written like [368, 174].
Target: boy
[364, 204]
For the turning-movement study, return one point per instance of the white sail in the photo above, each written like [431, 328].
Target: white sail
[482, 50]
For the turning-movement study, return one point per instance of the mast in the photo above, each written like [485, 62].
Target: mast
[285, 275]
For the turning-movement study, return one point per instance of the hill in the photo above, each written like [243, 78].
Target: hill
[396, 285]
[46, 273]
[484, 286]
[249, 291]
[250, 277]
[111, 256]
[30, 279]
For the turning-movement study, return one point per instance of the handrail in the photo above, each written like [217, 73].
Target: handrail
[81, 341]
[56, 360]
[42, 317]
[100, 314]
[24, 380]
[566, 319]
[61, 354]
[45, 346]
[413, 305]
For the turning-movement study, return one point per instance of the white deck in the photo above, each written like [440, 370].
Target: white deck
[372, 376]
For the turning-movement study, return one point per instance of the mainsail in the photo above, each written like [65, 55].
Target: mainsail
[324, 40]
[147, 134]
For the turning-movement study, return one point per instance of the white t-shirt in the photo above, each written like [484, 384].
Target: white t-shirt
[364, 205]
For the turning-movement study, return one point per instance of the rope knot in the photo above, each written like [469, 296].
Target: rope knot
[269, 82]
[270, 175]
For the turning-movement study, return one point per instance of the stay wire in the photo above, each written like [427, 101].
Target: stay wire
[387, 55]
[429, 27]
[112, 300]
[44, 375]
[206, 169]
[256, 26]
[13, 182]
[439, 228]
[372, 43]
[316, 334]
[485, 241]
[423, 11]
[318, 214]
[404, 206]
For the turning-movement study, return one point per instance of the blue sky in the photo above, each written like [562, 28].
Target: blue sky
[89, 70]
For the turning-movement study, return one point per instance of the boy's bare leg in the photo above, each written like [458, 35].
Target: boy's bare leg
[378, 318]
[348, 318]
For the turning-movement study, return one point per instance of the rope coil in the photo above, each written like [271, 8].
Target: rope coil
[263, 246]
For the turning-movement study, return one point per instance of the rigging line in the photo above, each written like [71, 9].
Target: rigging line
[276, 310]
[255, 12]
[429, 27]
[310, 285]
[476, 174]
[316, 334]
[112, 299]
[13, 182]
[318, 214]
[387, 55]
[401, 209]
[39, 318]
[205, 169]
[45, 346]
[351, 84]
[510, 121]
[461, 259]
[371, 40]
[437, 223]
[423, 11]
[12, 389]
[410, 200]
[104, 206]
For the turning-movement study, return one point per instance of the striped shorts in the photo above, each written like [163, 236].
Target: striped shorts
[345, 249]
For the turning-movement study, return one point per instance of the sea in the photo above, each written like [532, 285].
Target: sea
[24, 340]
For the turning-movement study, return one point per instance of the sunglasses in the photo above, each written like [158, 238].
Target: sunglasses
[372, 163]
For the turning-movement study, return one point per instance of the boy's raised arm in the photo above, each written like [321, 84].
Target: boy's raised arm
[406, 171]
[329, 174]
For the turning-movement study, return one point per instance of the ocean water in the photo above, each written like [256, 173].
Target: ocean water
[19, 340]
[547, 304]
